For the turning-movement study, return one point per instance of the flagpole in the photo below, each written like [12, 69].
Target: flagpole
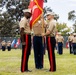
[42, 28]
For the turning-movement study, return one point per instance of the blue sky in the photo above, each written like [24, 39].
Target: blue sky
[62, 7]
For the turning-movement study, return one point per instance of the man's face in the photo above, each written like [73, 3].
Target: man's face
[59, 34]
[48, 16]
[27, 15]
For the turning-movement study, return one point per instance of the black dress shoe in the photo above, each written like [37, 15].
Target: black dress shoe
[37, 67]
[28, 71]
[40, 67]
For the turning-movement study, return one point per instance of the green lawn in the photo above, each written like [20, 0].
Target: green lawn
[10, 64]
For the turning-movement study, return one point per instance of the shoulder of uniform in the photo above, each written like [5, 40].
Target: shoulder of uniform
[53, 21]
[22, 19]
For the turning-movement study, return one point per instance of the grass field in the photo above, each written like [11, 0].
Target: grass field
[10, 64]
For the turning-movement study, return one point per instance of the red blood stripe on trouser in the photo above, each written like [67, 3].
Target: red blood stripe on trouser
[25, 53]
[50, 54]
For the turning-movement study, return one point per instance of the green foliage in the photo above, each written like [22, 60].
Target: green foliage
[7, 25]
[63, 28]
[72, 17]
[74, 27]
[0, 1]
[9, 19]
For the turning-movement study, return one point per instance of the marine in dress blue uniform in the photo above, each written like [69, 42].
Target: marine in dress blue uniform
[25, 34]
[51, 41]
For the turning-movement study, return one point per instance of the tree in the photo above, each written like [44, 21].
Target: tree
[7, 25]
[10, 17]
[10, 14]
[63, 28]
[72, 17]
[74, 27]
